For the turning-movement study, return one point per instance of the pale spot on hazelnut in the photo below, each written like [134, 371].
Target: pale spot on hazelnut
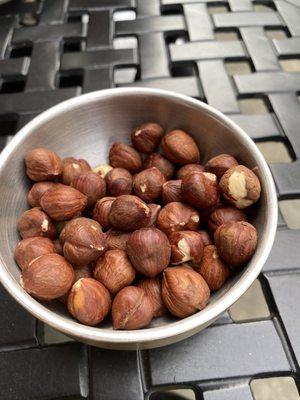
[146, 208]
[210, 176]
[215, 255]
[181, 223]
[195, 218]
[143, 188]
[75, 166]
[184, 248]
[21, 282]
[45, 225]
[137, 133]
[94, 228]
[103, 169]
[237, 189]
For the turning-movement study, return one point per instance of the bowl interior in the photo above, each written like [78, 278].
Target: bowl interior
[86, 129]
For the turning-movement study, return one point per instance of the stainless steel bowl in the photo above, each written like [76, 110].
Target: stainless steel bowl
[86, 126]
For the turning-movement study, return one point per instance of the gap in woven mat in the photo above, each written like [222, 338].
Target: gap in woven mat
[77, 17]
[275, 151]
[172, 9]
[173, 394]
[72, 45]
[291, 63]
[276, 33]
[264, 6]
[13, 85]
[279, 387]
[70, 79]
[24, 50]
[183, 69]
[8, 124]
[178, 38]
[219, 7]
[290, 209]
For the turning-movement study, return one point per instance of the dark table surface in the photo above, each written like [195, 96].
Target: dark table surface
[240, 56]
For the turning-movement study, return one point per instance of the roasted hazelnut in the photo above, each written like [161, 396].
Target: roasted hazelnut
[240, 186]
[83, 241]
[131, 309]
[92, 185]
[72, 168]
[37, 191]
[35, 222]
[177, 216]
[47, 277]
[220, 164]
[103, 170]
[58, 247]
[186, 246]
[171, 191]
[148, 184]
[129, 212]
[101, 211]
[81, 271]
[236, 242]
[206, 239]
[122, 155]
[223, 214]
[155, 209]
[114, 270]
[184, 291]
[158, 161]
[119, 181]
[200, 190]
[43, 165]
[212, 268]
[189, 169]
[31, 248]
[149, 251]
[116, 239]
[180, 148]
[147, 137]
[63, 203]
[89, 301]
[152, 287]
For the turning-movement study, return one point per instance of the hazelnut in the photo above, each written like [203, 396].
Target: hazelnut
[129, 212]
[63, 203]
[103, 170]
[72, 168]
[148, 184]
[223, 214]
[47, 277]
[116, 239]
[184, 291]
[35, 222]
[114, 270]
[31, 248]
[92, 185]
[122, 155]
[149, 251]
[220, 164]
[152, 287]
[37, 191]
[43, 165]
[180, 148]
[189, 169]
[119, 181]
[155, 209]
[58, 247]
[81, 271]
[200, 190]
[131, 309]
[186, 246]
[89, 301]
[171, 191]
[206, 239]
[158, 161]
[101, 211]
[147, 137]
[236, 242]
[240, 186]
[177, 216]
[83, 241]
[212, 268]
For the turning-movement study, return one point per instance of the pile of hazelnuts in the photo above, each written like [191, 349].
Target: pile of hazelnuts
[145, 235]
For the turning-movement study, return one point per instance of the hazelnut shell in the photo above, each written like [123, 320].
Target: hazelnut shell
[119, 181]
[72, 168]
[220, 164]
[147, 137]
[152, 287]
[148, 184]
[35, 222]
[101, 211]
[222, 214]
[200, 190]
[160, 162]
[186, 246]
[180, 148]
[122, 155]
[27, 250]
[91, 185]
[43, 165]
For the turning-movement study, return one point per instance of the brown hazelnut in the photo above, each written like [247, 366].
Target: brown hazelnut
[72, 168]
[152, 287]
[129, 212]
[89, 301]
[177, 216]
[149, 251]
[184, 291]
[58, 247]
[236, 242]
[200, 190]
[119, 181]
[35, 222]
[148, 184]
[29, 249]
[171, 191]
[186, 246]
[180, 148]
[103, 170]
[212, 268]
[81, 271]
[147, 137]
[223, 214]
[155, 209]
[114, 270]
[131, 309]
[158, 161]
[101, 211]
[63, 203]
[47, 277]
[122, 155]
[220, 164]
[240, 186]
[189, 169]
[206, 239]
[92, 185]
[83, 241]
[43, 165]
[116, 239]
[37, 191]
